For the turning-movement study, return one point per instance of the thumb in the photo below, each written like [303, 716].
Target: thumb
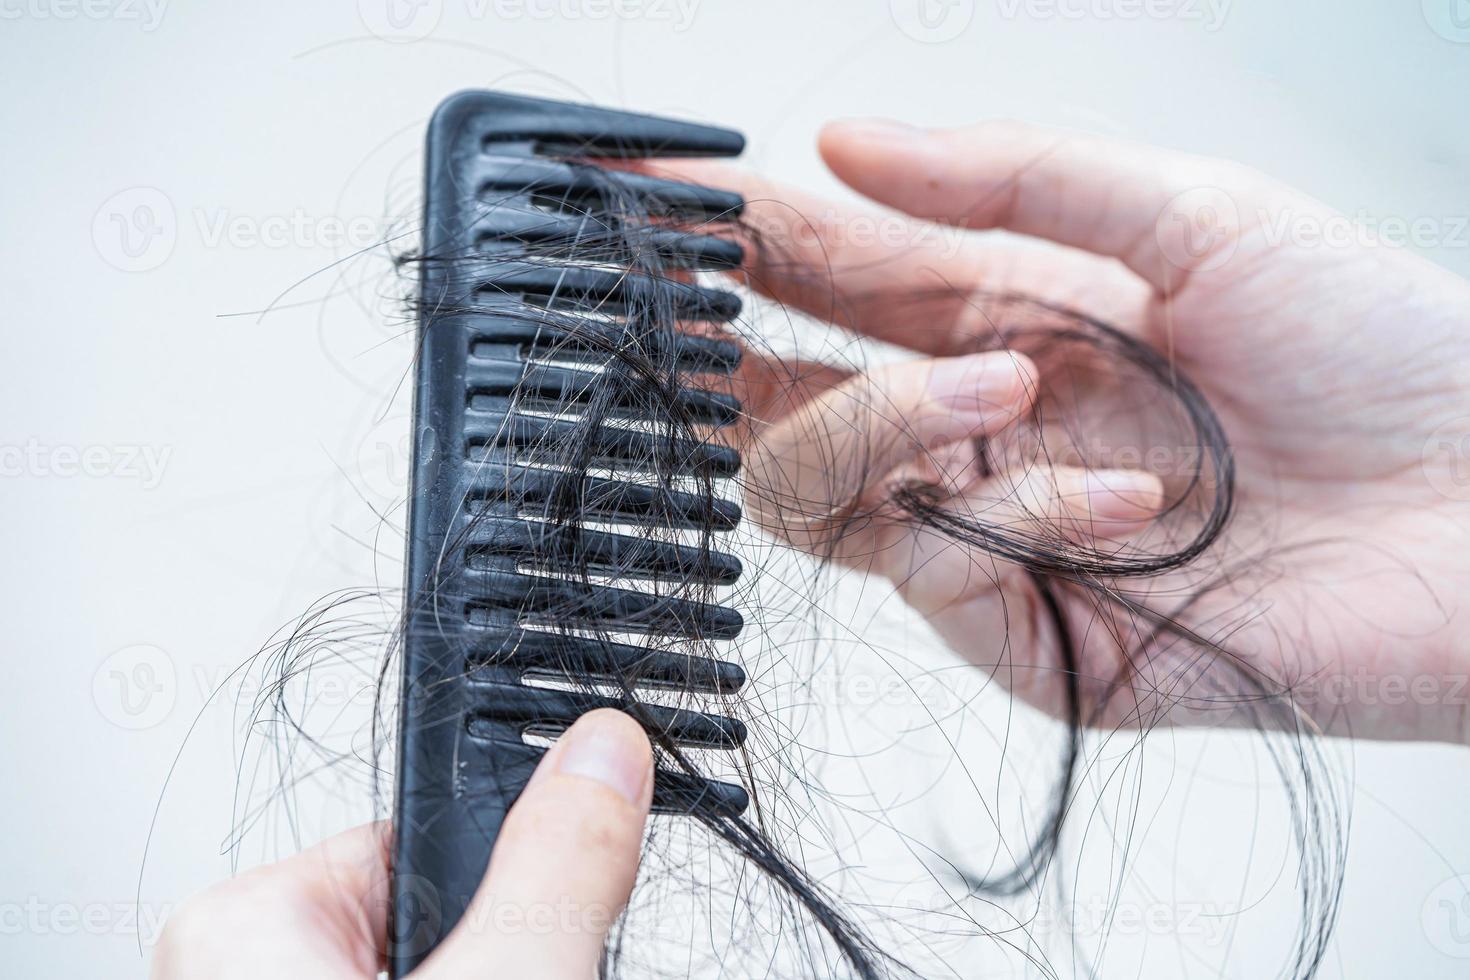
[564, 863]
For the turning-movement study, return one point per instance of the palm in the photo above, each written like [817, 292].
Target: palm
[1331, 370]
[1327, 365]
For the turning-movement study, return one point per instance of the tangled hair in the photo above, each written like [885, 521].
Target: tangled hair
[1134, 633]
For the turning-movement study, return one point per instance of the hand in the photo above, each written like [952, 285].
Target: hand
[1341, 371]
[562, 870]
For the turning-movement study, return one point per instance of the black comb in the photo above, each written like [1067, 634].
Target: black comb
[533, 276]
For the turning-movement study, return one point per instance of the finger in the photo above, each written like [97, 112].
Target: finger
[1109, 197]
[1065, 503]
[324, 909]
[905, 282]
[564, 863]
[347, 877]
[771, 386]
[1044, 506]
[809, 470]
[981, 600]
[971, 594]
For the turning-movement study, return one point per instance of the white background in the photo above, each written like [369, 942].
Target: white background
[253, 128]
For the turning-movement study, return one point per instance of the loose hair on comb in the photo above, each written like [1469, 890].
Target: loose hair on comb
[591, 502]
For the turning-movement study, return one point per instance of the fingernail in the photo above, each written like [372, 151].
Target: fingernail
[1117, 495]
[609, 747]
[975, 388]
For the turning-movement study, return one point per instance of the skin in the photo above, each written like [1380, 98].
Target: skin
[1341, 371]
[563, 866]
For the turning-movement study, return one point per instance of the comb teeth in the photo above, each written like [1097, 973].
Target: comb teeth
[591, 290]
[580, 189]
[531, 435]
[564, 129]
[490, 333]
[562, 548]
[560, 656]
[546, 711]
[553, 601]
[492, 378]
[528, 488]
[543, 300]
[603, 239]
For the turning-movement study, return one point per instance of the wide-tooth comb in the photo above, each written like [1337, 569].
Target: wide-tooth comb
[512, 223]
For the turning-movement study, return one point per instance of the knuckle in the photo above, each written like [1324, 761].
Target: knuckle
[594, 820]
[192, 935]
[188, 935]
[600, 833]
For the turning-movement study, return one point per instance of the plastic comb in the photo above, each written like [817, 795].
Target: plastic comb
[538, 267]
